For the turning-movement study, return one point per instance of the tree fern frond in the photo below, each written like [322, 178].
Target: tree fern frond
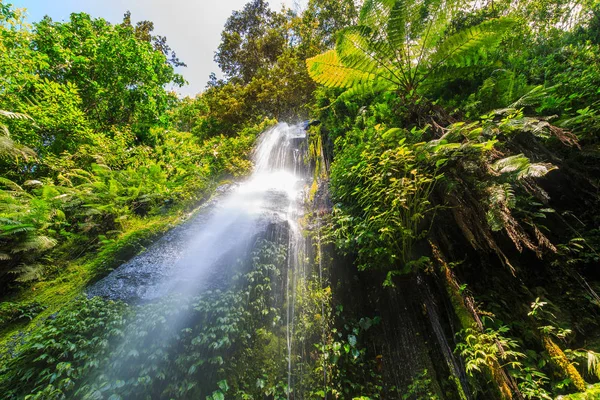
[4, 256]
[373, 12]
[536, 170]
[8, 230]
[511, 164]
[396, 26]
[328, 70]
[28, 272]
[523, 168]
[593, 363]
[353, 50]
[8, 221]
[367, 88]
[10, 184]
[10, 148]
[531, 98]
[431, 19]
[464, 48]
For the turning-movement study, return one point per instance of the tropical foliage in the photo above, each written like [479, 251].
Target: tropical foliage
[398, 45]
[451, 229]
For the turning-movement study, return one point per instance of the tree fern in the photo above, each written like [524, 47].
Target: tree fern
[328, 70]
[401, 42]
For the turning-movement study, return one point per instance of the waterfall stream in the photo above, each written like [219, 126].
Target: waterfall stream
[186, 259]
[200, 264]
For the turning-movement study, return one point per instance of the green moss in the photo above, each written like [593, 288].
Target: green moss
[458, 304]
[562, 362]
[592, 393]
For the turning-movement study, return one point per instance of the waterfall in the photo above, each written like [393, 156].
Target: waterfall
[204, 258]
[191, 257]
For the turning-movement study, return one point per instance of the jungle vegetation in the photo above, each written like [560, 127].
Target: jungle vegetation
[454, 142]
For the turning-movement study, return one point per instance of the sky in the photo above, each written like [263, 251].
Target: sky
[192, 27]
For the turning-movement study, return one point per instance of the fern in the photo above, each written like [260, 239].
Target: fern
[375, 11]
[14, 115]
[396, 26]
[8, 230]
[593, 363]
[400, 43]
[532, 97]
[466, 47]
[521, 166]
[35, 243]
[328, 70]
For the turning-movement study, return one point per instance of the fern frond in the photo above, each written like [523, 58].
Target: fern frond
[373, 12]
[8, 221]
[4, 256]
[532, 98]
[10, 184]
[10, 148]
[536, 170]
[396, 26]
[28, 272]
[465, 47]
[8, 230]
[367, 88]
[523, 168]
[328, 70]
[511, 164]
[353, 50]
[35, 243]
[14, 115]
[593, 363]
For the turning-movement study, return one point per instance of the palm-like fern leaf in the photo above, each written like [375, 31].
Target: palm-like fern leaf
[367, 88]
[353, 48]
[533, 97]
[37, 243]
[396, 26]
[8, 230]
[373, 12]
[464, 48]
[7, 146]
[328, 70]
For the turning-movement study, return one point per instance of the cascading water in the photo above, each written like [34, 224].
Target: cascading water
[185, 260]
[205, 257]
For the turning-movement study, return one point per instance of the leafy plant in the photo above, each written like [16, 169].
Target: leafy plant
[399, 45]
